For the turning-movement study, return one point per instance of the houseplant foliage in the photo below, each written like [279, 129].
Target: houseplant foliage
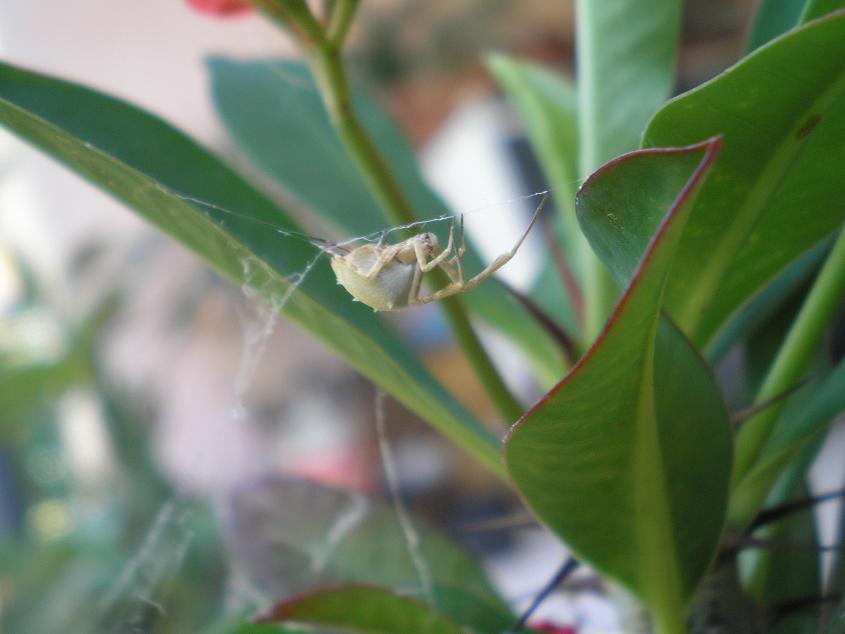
[682, 249]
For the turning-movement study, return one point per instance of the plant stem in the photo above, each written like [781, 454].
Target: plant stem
[670, 622]
[340, 20]
[794, 355]
[327, 66]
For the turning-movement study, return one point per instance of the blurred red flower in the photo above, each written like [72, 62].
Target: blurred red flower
[220, 8]
[548, 628]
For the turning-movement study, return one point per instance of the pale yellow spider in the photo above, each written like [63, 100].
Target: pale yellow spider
[389, 277]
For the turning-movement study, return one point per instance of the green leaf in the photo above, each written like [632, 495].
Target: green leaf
[626, 52]
[768, 301]
[547, 107]
[273, 111]
[628, 458]
[818, 8]
[280, 532]
[802, 423]
[773, 17]
[152, 167]
[837, 623]
[359, 608]
[775, 191]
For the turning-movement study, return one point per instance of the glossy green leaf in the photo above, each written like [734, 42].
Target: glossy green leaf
[152, 168]
[776, 189]
[803, 421]
[365, 609]
[273, 111]
[628, 458]
[289, 536]
[773, 17]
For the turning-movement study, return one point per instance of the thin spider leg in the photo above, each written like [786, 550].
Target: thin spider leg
[503, 259]
[443, 293]
[381, 238]
[460, 254]
[498, 263]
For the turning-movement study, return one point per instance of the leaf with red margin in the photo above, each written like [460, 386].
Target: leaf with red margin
[628, 459]
[361, 608]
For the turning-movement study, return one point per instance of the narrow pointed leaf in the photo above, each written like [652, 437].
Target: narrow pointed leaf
[628, 458]
[808, 417]
[151, 167]
[547, 108]
[776, 190]
[274, 112]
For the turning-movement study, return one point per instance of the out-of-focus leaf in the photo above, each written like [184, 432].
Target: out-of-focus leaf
[626, 51]
[290, 536]
[547, 108]
[365, 609]
[628, 458]
[775, 191]
[773, 17]
[778, 577]
[803, 421]
[274, 112]
[152, 167]
[818, 8]
[769, 300]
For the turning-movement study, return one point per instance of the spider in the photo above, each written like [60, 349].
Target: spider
[388, 277]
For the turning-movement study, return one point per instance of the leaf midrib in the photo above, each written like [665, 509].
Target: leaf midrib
[487, 453]
[769, 179]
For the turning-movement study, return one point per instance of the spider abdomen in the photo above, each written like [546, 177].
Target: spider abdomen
[385, 290]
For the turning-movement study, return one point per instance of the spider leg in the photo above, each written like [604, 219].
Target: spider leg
[503, 259]
[459, 285]
[416, 282]
[440, 257]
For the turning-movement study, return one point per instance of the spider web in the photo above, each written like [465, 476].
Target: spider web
[141, 584]
[140, 587]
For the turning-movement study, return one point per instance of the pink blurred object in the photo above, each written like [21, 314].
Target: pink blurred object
[221, 8]
[543, 626]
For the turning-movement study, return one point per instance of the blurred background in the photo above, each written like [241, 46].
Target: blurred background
[156, 424]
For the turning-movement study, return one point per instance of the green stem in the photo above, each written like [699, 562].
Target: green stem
[794, 355]
[327, 66]
[340, 20]
[671, 621]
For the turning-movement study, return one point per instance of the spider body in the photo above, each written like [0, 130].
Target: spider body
[382, 276]
[389, 277]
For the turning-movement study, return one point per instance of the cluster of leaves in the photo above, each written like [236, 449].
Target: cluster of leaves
[724, 214]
